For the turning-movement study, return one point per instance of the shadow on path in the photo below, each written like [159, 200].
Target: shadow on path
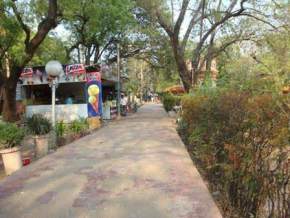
[136, 167]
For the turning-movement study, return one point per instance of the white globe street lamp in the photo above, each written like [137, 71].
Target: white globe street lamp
[54, 70]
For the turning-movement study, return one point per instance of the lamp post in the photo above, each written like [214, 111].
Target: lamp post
[119, 83]
[54, 70]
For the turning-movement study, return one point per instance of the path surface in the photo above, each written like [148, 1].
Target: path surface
[133, 168]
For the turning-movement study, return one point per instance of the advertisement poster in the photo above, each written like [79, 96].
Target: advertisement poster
[37, 75]
[94, 94]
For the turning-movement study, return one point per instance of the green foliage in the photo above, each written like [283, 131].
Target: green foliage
[52, 48]
[75, 127]
[38, 125]
[60, 129]
[10, 135]
[12, 36]
[267, 70]
[78, 126]
[168, 101]
[96, 24]
[240, 139]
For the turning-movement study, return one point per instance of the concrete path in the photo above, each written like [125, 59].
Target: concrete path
[133, 168]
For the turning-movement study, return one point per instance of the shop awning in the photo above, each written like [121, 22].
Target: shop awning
[175, 89]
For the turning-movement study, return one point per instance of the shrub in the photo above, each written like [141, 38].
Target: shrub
[38, 125]
[169, 101]
[60, 129]
[240, 140]
[78, 126]
[10, 135]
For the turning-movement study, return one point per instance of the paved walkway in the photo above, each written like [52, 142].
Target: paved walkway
[133, 168]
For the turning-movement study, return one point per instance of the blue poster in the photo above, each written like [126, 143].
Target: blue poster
[94, 94]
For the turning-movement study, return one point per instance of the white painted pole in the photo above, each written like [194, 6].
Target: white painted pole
[53, 103]
[119, 82]
[141, 88]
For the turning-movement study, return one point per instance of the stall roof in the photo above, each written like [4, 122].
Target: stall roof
[72, 73]
[175, 89]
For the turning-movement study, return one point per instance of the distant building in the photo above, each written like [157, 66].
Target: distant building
[201, 76]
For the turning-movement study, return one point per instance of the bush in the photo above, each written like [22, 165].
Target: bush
[10, 135]
[169, 101]
[79, 126]
[38, 125]
[60, 129]
[240, 140]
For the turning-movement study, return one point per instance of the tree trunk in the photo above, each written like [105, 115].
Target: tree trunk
[209, 56]
[31, 44]
[195, 69]
[1, 94]
[9, 100]
[9, 110]
[97, 53]
[79, 54]
[183, 71]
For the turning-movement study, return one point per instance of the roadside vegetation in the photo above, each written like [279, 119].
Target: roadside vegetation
[240, 141]
[237, 131]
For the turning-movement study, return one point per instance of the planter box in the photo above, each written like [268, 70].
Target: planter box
[69, 138]
[11, 159]
[41, 145]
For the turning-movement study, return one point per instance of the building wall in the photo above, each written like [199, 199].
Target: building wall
[66, 113]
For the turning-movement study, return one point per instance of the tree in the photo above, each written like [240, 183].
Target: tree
[52, 48]
[206, 20]
[96, 26]
[19, 43]
[262, 61]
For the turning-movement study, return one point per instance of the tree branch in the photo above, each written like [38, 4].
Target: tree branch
[48, 23]
[193, 21]
[71, 48]
[126, 55]
[227, 16]
[259, 19]
[163, 24]
[222, 48]
[180, 17]
[105, 47]
[25, 28]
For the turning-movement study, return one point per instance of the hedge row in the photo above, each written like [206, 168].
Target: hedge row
[169, 101]
[241, 143]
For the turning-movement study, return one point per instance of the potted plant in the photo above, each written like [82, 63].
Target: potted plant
[40, 127]
[10, 139]
[78, 127]
[60, 130]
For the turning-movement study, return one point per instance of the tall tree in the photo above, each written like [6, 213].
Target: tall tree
[95, 26]
[205, 20]
[19, 42]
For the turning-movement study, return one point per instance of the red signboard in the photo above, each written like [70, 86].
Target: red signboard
[27, 72]
[75, 69]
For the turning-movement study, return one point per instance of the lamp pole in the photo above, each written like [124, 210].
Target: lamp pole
[54, 70]
[119, 83]
[141, 84]
[53, 88]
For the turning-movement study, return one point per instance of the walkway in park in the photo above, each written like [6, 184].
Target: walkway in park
[133, 168]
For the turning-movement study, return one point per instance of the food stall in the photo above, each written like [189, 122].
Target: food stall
[73, 99]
